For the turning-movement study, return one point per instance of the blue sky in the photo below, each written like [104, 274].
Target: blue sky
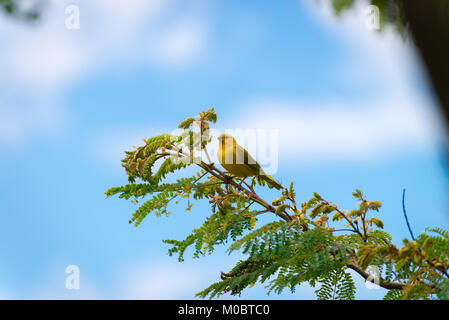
[351, 106]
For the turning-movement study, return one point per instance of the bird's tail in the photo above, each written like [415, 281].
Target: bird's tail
[270, 181]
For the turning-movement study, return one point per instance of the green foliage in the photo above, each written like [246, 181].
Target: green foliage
[421, 264]
[341, 5]
[393, 295]
[390, 12]
[171, 153]
[336, 285]
[221, 225]
[314, 242]
[281, 251]
[442, 290]
[14, 9]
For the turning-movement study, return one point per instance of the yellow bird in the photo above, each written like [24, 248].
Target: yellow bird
[239, 162]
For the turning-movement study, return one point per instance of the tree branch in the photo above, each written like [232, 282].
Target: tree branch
[369, 277]
[429, 26]
[212, 169]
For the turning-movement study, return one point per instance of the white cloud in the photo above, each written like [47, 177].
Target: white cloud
[3, 296]
[40, 62]
[45, 62]
[398, 119]
[161, 281]
[308, 131]
[347, 132]
[108, 146]
[382, 59]
[179, 45]
[52, 285]
[167, 279]
[57, 291]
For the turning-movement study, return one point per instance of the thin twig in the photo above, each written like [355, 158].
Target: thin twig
[338, 230]
[217, 173]
[247, 207]
[405, 214]
[212, 169]
[349, 221]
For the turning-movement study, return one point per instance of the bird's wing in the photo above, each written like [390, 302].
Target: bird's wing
[251, 162]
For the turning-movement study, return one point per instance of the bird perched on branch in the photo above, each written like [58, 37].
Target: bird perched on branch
[239, 162]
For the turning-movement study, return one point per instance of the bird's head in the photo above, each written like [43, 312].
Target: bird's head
[226, 140]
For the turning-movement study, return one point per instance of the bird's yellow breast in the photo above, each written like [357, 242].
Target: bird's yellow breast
[231, 158]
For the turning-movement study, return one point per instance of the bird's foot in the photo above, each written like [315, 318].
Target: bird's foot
[228, 179]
